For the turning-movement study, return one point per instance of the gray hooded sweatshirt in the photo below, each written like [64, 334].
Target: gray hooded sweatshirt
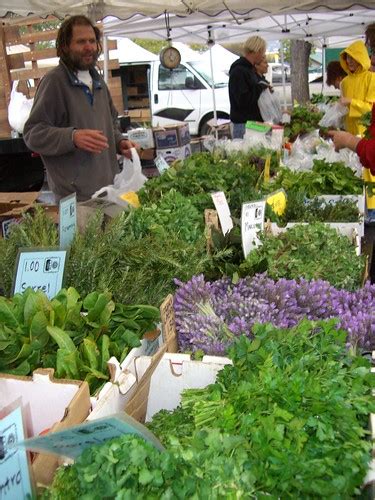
[61, 104]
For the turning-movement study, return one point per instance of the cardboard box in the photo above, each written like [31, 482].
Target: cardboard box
[14, 205]
[132, 91]
[147, 154]
[131, 380]
[172, 154]
[47, 403]
[172, 136]
[174, 373]
[143, 136]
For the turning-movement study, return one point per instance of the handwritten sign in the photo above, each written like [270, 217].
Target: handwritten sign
[252, 221]
[68, 220]
[40, 270]
[15, 481]
[73, 441]
[277, 201]
[223, 211]
[161, 164]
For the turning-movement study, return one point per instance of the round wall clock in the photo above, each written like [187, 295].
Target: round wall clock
[170, 57]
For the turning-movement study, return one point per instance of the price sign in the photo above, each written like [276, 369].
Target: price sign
[161, 164]
[15, 481]
[73, 441]
[252, 221]
[68, 219]
[277, 201]
[223, 211]
[40, 270]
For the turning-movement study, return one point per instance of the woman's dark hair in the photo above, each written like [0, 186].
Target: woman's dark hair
[370, 36]
[65, 33]
[334, 71]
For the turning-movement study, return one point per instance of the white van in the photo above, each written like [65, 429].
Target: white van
[162, 96]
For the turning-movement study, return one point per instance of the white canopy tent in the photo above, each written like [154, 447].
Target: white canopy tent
[128, 51]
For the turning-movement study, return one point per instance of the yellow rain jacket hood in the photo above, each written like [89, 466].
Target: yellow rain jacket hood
[358, 86]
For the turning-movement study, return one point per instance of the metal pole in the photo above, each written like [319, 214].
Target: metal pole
[210, 44]
[105, 51]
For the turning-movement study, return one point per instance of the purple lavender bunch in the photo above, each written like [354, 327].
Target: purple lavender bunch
[210, 315]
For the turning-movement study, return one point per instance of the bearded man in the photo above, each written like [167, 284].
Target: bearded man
[73, 124]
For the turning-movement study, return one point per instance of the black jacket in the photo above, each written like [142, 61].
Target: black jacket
[244, 92]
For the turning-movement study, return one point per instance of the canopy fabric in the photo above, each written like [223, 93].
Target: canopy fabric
[198, 28]
[128, 51]
[125, 9]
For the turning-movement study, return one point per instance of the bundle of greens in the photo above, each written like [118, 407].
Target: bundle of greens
[304, 119]
[75, 337]
[130, 257]
[307, 251]
[203, 173]
[324, 178]
[287, 420]
[300, 209]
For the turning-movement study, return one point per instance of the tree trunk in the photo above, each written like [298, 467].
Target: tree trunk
[299, 74]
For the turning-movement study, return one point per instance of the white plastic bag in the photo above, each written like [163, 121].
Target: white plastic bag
[334, 116]
[130, 179]
[269, 106]
[19, 109]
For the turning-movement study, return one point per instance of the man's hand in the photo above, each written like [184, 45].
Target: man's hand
[93, 141]
[125, 147]
[343, 140]
[345, 101]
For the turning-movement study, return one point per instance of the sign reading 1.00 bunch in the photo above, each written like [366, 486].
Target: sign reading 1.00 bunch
[40, 270]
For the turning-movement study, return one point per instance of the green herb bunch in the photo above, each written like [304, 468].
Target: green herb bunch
[310, 251]
[75, 337]
[324, 178]
[287, 420]
[304, 119]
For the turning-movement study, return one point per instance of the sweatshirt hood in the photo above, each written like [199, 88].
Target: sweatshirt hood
[358, 52]
[242, 61]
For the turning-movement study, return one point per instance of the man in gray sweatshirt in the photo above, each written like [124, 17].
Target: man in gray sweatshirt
[73, 122]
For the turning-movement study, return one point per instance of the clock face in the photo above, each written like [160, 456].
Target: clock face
[170, 57]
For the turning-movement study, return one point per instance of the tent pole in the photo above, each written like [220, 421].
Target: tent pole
[105, 65]
[283, 66]
[210, 44]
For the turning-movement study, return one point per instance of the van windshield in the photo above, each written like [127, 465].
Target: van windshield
[219, 77]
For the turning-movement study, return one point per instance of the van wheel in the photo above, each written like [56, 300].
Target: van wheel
[205, 128]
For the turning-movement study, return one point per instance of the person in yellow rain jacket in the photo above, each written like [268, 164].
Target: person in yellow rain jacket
[358, 93]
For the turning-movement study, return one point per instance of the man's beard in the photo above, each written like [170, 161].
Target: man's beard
[76, 61]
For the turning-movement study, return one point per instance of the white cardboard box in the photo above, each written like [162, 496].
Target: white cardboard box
[172, 154]
[47, 403]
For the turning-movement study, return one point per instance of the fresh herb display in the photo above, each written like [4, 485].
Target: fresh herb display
[303, 119]
[173, 213]
[323, 99]
[75, 337]
[211, 315]
[110, 257]
[310, 251]
[365, 120]
[324, 178]
[287, 420]
[300, 209]
[203, 173]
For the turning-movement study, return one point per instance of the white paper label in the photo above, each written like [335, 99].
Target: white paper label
[161, 164]
[252, 221]
[223, 211]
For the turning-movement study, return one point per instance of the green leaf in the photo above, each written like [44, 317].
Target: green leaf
[62, 339]
[38, 328]
[6, 314]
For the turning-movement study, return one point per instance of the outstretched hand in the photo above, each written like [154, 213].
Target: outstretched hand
[93, 141]
[343, 140]
[125, 147]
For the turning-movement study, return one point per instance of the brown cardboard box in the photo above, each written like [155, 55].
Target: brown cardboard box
[172, 136]
[47, 403]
